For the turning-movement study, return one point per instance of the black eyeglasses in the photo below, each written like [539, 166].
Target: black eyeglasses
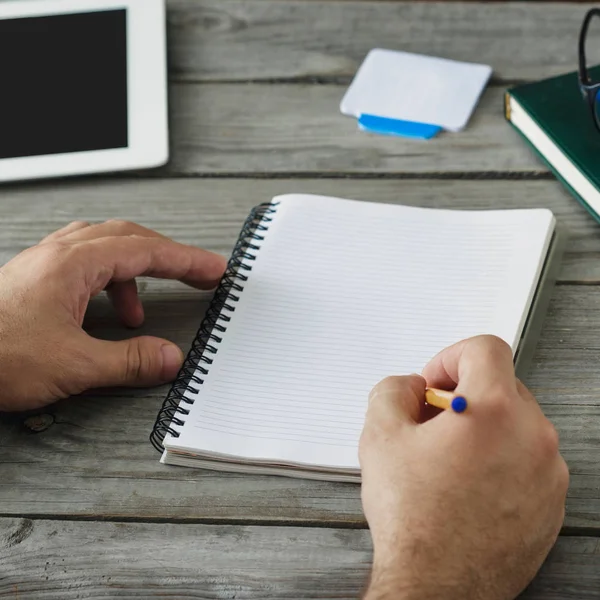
[588, 88]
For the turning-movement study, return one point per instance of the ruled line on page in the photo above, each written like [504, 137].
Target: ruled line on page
[342, 294]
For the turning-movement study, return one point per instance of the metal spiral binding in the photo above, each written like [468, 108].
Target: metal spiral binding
[173, 411]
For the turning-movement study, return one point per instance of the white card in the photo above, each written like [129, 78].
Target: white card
[416, 88]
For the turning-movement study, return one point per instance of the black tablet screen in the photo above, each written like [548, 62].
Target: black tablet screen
[63, 83]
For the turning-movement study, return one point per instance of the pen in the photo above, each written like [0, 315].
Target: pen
[445, 400]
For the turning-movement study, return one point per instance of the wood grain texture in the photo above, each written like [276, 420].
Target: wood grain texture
[225, 40]
[209, 212]
[71, 561]
[57, 560]
[240, 104]
[298, 129]
[94, 459]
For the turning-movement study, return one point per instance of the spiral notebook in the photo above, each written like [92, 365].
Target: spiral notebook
[322, 298]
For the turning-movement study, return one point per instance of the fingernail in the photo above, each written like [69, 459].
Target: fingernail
[172, 360]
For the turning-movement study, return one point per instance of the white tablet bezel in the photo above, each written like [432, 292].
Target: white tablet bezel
[146, 93]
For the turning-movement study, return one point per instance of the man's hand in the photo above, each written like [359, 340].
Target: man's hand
[44, 293]
[460, 506]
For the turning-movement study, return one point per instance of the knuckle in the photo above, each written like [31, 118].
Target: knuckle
[381, 394]
[563, 476]
[121, 226]
[366, 442]
[492, 346]
[499, 404]
[549, 439]
[138, 236]
[79, 224]
[367, 437]
[53, 251]
[362, 447]
[524, 391]
[386, 384]
[390, 387]
[135, 361]
[54, 247]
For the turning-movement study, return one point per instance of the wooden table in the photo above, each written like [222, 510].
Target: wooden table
[86, 510]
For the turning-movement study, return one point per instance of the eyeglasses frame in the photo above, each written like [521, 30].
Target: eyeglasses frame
[588, 89]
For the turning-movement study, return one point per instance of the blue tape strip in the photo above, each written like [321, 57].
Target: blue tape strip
[387, 126]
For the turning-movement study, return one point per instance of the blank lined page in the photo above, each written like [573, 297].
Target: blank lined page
[343, 294]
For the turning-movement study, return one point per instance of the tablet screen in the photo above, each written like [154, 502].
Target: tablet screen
[64, 83]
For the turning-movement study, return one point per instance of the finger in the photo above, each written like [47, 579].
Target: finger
[137, 362]
[395, 401]
[475, 365]
[109, 229]
[65, 231]
[124, 258]
[428, 412]
[124, 297]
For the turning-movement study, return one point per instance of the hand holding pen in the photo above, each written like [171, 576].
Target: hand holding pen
[496, 464]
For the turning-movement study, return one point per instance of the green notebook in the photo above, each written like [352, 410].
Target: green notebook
[556, 122]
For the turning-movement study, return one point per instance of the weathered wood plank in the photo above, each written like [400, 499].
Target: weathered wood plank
[216, 40]
[257, 130]
[209, 212]
[298, 129]
[61, 560]
[95, 459]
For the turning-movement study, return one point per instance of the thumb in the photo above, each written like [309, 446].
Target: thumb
[137, 362]
[397, 400]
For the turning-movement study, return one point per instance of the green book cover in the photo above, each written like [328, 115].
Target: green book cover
[560, 110]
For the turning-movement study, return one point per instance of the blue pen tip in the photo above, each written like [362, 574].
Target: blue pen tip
[459, 404]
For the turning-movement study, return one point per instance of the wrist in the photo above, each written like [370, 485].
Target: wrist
[401, 577]
[389, 590]
[389, 581]
[399, 588]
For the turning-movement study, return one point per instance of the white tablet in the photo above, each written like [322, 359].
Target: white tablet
[83, 87]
